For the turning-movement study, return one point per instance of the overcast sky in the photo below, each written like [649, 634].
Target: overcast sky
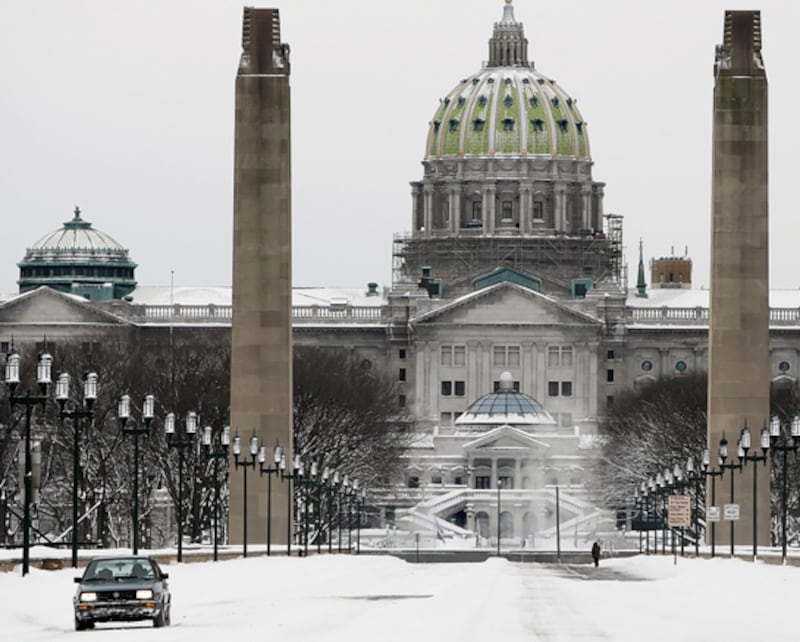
[126, 109]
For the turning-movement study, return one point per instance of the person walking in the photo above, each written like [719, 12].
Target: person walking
[596, 553]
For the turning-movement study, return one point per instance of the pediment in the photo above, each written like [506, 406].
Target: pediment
[45, 305]
[505, 438]
[506, 304]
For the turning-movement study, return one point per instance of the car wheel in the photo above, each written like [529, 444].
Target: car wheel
[160, 619]
[82, 625]
[168, 619]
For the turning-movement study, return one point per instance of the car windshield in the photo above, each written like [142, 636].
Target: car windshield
[120, 570]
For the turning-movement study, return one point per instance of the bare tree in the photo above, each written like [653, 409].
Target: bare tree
[347, 417]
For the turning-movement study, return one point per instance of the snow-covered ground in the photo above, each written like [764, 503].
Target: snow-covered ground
[382, 598]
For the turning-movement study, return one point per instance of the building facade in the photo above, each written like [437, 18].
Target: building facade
[509, 287]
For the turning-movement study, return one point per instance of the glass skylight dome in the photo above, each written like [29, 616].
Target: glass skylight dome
[506, 406]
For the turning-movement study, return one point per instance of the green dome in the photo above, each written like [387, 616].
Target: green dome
[508, 108]
[507, 111]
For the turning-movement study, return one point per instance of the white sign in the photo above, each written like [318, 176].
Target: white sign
[712, 513]
[731, 512]
[680, 511]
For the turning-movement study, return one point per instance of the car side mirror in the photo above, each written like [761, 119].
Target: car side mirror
[77, 580]
[164, 576]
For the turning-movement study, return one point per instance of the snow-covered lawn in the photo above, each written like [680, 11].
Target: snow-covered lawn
[382, 598]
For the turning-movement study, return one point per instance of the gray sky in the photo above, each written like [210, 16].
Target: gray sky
[126, 109]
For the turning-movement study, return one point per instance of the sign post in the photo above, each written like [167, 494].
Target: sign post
[679, 516]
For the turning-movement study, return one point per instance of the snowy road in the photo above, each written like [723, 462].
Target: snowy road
[382, 598]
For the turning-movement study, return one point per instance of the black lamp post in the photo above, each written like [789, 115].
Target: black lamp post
[723, 456]
[308, 482]
[244, 464]
[783, 444]
[360, 506]
[353, 492]
[29, 401]
[277, 457]
[216, 451]
[327, 484]
[710, 472]
[694, 477]
[499, 486]
[130, 428]
[644, 492]
[296, 473]
[180, 442]
[76, 414]
[744, 441]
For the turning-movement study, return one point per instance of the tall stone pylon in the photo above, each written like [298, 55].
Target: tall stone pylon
[739, 382]
[261, 335]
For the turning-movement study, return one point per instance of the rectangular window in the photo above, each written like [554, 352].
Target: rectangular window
[506, 356]
[402, 374]
[453, 355]
[559, 356]
[436, 479]
[446, 356]
[610, 375]
[401, 401]
[5, 348]
[610, 355]
[566, 388]
[447, 388]
[507, 482]
[402, 353]
[458, 480]
[508, 210]
[459, 388]
[476, 210]
[413, 482]
[497, 386]
[482, 482]
[499, 356]
[609, 402]
[538, 211]
[552, 388]
[446, 419]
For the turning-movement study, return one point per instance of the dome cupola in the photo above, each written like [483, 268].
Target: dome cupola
[506, 406]
[79, 259]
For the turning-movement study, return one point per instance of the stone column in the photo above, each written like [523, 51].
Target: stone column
[261, 332]
[739, 382]
[428, 207]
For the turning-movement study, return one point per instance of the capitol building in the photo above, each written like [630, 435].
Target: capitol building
[510, 324]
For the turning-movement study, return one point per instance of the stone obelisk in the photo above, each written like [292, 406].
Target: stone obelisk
[261, 335]
[739, 382]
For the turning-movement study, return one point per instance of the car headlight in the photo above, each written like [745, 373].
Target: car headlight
[144, 594]
[88, 596]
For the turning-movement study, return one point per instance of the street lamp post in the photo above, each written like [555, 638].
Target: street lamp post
[744, 440]
[353, 493]
[694, 476]
[783, 444]
[130, 428]
[710, 472]
[29, 401]
[723, 456]
[297, 473]
[76, 414]
[328, 486]
[180, 443]
[277, 457]
[360, 504]
[244, 464]
[499, 486]
[216, 451]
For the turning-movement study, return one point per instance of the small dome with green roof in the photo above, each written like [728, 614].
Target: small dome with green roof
[78, 259]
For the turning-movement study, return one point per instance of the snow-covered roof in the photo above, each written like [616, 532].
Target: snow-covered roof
[693, 298]
[222, 295]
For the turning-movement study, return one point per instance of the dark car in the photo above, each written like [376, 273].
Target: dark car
[122, 589]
